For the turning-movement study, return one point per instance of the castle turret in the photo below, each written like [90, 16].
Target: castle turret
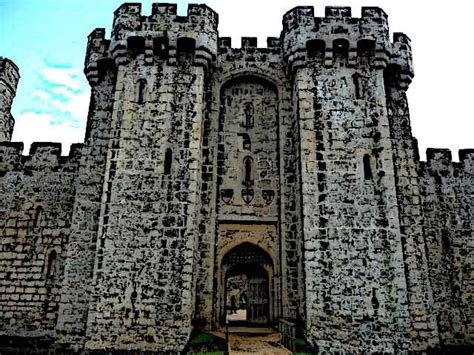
[9, 76]
[145, 253]
[324, 39]
[348, 177]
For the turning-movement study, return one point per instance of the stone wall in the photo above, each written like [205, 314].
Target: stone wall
[143, 276]
[447, 197]
[249, 166]
[248, 74]
[77, 285]
[36, 207]
[355, 278]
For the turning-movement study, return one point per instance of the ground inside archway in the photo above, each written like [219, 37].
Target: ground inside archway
[251, 341]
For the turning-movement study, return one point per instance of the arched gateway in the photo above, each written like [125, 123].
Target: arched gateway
[246, 279]
[247, 251]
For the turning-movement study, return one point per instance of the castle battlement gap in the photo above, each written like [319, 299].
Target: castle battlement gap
[283, 179]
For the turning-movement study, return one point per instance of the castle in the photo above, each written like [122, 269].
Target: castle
[293, 165]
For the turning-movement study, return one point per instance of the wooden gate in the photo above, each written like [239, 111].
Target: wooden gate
[257, 311]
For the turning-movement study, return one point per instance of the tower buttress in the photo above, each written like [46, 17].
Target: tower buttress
[9, 76]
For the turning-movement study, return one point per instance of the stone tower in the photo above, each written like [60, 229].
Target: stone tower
[351, 225]
[9, 77]
[287, 175]
[146, 232]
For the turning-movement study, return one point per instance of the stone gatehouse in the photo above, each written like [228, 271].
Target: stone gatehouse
[283, 178]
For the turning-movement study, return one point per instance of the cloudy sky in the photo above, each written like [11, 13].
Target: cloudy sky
[47, 40]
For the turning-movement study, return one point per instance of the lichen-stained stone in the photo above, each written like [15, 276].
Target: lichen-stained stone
[293, 165]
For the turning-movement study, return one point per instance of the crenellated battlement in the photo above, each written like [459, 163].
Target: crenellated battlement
[441, 160]
[128, 17]
[466, 158]
[401, 60]
[10, 156]
[43, 156]
[466, 155]
[248, 42]
[161, 36]
[164, 35]
[165, 9]
[363, 40]
[298, 17]
[439, 157]
[337, 11]
[96, 55]
[249, 50]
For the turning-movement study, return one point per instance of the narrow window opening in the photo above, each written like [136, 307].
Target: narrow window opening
[141, 91]
[315, 49]
[136, 45]
[160, 47]
[341, 51]
[367, 168]
[51, 264]
[248, 170]
[168, 160]
[445, 242]
[365, 50]
[186, 49]
[38, 216]
[248, 113]
[358, 86]
[246, 143]
[374, 300]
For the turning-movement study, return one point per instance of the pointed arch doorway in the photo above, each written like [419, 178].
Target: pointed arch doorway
[245, 287]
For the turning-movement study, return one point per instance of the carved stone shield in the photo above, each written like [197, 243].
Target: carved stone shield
[268, 196]
[247, 195]
[226, 195]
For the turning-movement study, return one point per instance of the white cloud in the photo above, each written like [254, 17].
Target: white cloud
[76, 105]
[40, 94]
[61, 90]
[68, 77]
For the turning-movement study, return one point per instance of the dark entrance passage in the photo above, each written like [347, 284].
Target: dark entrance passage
[247, 284]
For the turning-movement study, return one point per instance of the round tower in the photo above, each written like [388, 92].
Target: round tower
[9, 76]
